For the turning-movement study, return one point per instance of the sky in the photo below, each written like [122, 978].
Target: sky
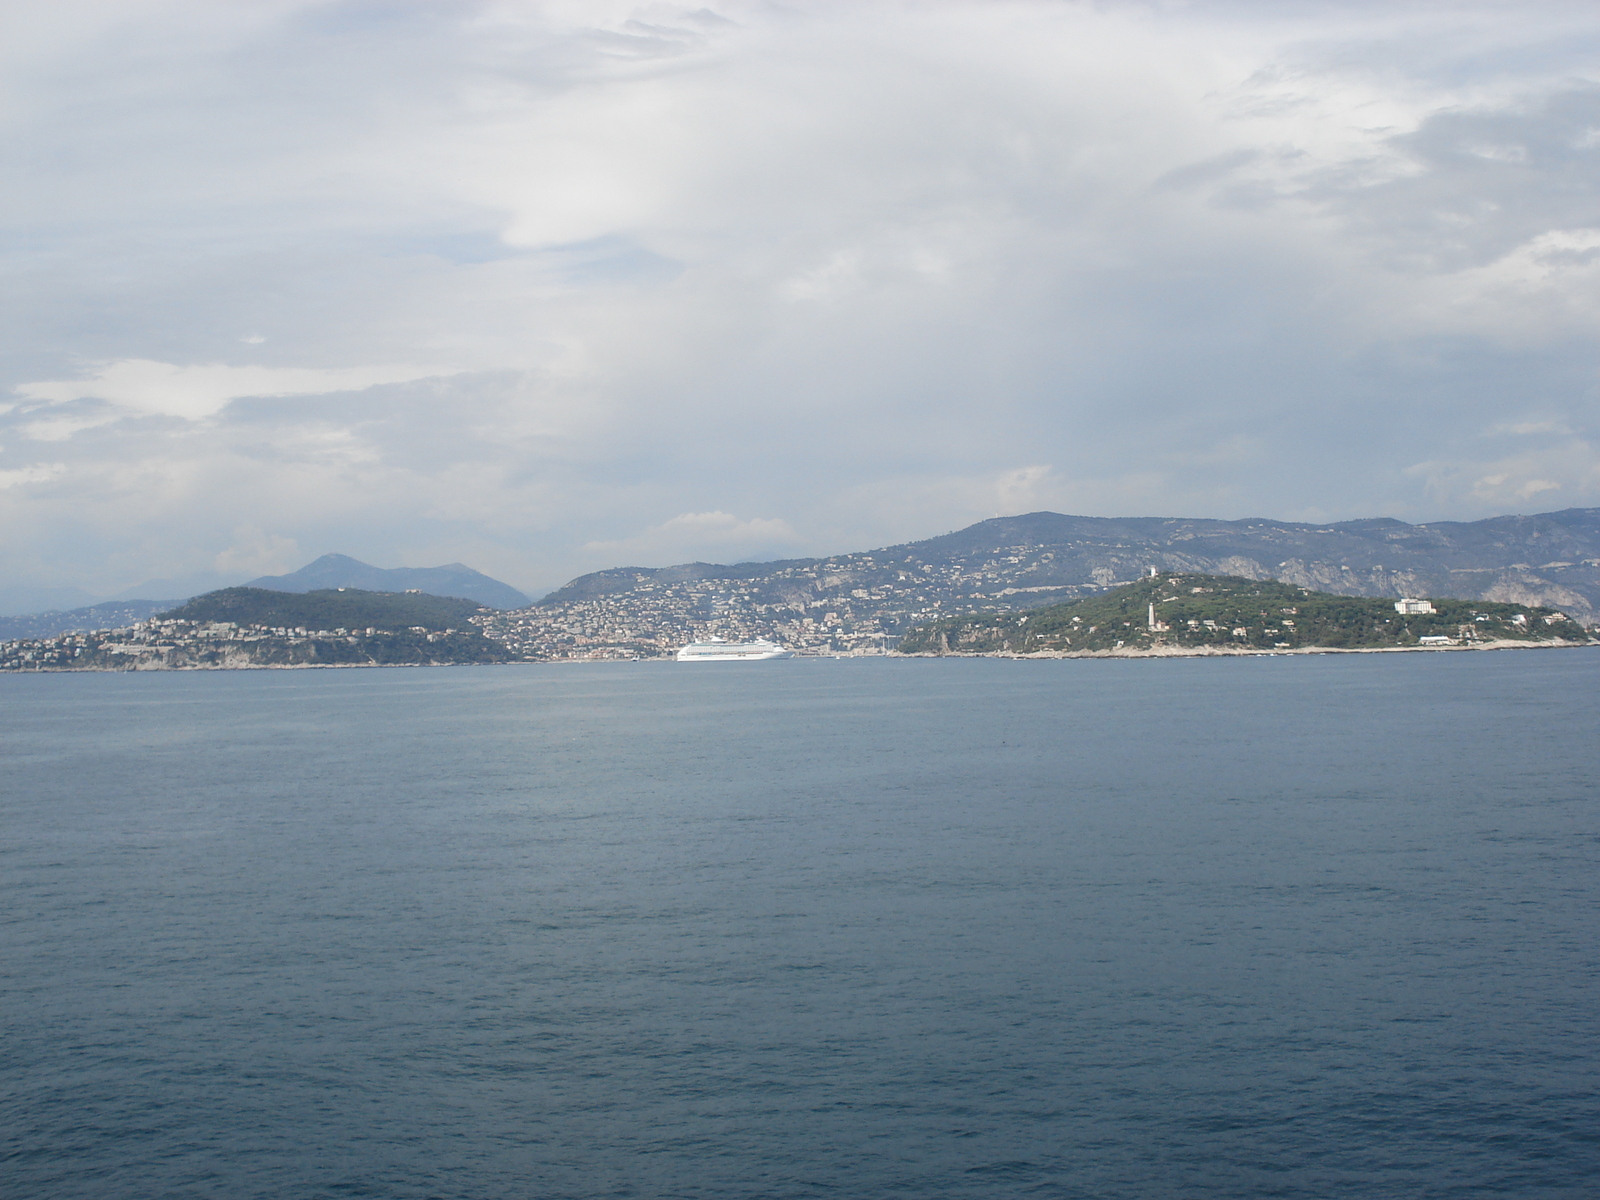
[547, 287]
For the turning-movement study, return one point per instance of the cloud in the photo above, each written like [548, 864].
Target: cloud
[718, 535]
[254, 551]
[60, 428]
[199, 391]
[37, 473]
[1547, 476]
[518, 280]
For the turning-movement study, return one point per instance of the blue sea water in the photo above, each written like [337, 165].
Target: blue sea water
[1285, 927]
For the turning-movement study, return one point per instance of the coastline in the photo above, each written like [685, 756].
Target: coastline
[1039, 655]
[1241, 652]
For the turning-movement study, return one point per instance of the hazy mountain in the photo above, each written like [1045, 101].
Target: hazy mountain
[110, 614]
[183, 585]
[339, 570]
[22, 598]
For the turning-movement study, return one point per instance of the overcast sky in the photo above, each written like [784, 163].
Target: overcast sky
[551, 286]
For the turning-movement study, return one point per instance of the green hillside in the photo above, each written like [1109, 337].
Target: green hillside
[1225, 612]
[331, 608]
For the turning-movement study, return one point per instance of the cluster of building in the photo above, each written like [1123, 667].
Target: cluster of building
[853, 604]
[187, 643]
[141, 639]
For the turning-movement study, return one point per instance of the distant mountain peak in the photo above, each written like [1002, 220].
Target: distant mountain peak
[340, 570]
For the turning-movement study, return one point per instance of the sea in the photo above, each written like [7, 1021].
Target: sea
[1299, 926]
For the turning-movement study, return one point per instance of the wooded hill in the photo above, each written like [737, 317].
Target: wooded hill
[1223, 612]
[330, 608]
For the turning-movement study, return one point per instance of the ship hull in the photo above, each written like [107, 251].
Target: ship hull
[732, 652]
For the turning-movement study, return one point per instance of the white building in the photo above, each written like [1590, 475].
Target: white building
[1406, 606]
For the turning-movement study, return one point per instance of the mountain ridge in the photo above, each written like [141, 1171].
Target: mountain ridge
[1367, 556]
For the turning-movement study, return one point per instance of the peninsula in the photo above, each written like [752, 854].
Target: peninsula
[1188, 613]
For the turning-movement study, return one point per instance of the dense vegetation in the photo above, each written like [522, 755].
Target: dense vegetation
[1226, 612]
[330, 608]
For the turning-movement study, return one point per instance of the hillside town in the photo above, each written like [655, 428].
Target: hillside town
[854, 604]
[179, 644]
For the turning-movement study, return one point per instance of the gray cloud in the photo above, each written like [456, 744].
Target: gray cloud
[534, 286]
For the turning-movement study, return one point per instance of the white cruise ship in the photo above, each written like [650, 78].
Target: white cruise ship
[717, 650]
